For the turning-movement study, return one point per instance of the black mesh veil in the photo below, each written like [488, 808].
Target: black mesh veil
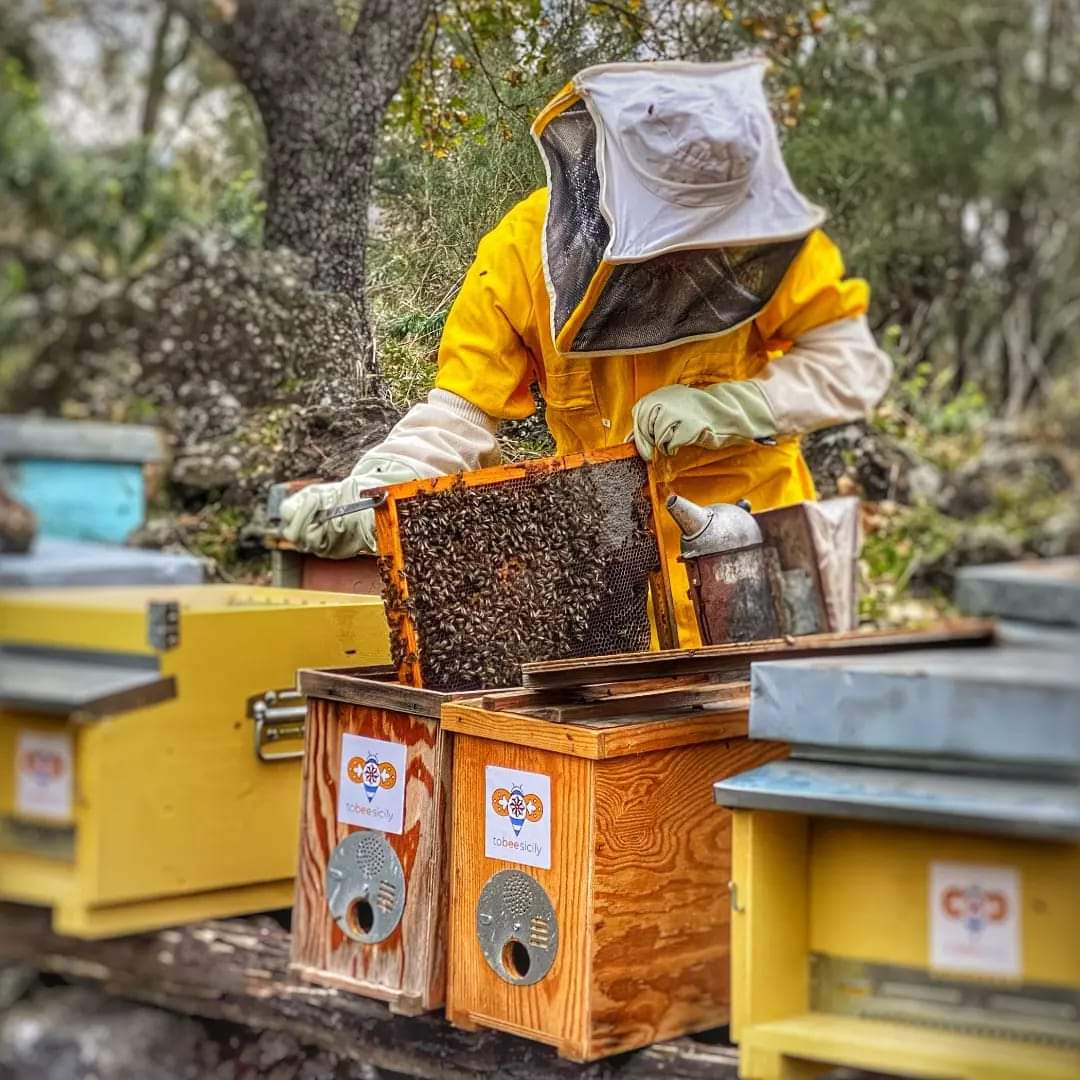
[646, 305]
[576, 233]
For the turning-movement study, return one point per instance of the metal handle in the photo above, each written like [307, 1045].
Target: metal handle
[733, 888]
[276, 722]
[369, 502]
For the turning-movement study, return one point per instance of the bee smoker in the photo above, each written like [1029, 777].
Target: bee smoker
[725, 556]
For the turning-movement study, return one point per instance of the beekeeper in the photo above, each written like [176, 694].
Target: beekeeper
[670, 284]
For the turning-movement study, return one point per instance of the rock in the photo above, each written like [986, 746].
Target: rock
[880, 468]
[204, 472]
[79, 1033]
[1004, 468]
[974, 545]
[18, 525]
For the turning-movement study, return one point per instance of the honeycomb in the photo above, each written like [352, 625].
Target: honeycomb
[551, 565]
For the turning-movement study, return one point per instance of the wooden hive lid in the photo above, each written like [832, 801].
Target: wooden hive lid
[635, 719]
[376, 688]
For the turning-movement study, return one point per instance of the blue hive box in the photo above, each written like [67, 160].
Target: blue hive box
[84, 480]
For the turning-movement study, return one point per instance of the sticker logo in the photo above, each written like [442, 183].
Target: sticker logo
[517, 806]
[517, 816]
[42, 766]
[975, 906]
[44, 774]
[374, 774]
[369, 791]
[975, 919]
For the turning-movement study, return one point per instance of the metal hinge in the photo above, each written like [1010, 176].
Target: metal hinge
[279, 717]
[163, 625]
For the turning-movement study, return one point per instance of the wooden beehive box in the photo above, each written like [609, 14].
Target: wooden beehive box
[589, 892]
[144, 789]
[589, 901]
[371, 898]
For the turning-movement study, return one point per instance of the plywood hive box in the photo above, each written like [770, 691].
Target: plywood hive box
[133, 796]
[377, 929]
[589, 901]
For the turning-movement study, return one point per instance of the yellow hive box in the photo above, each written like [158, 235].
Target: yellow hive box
[880, 947]
[137, 788]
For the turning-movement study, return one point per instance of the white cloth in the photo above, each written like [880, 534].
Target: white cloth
[688, 158]
[443, 435]
[831, 375]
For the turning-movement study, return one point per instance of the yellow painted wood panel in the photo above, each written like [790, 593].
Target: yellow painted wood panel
[28, 878]
[770, 928]
[179, 802]
[555, 1009]
[78, 920]
[869, 901]
[115, 618]
[812, 1044]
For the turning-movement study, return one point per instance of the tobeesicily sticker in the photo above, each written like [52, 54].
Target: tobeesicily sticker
[975, 916]
[371, 786]
[517, 809]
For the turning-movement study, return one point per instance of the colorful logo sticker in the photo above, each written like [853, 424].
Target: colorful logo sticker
[44, 774]
[517, 806]
[517, 816]
[975, 906]
[374, 774]
[975, 919]
[369, 793]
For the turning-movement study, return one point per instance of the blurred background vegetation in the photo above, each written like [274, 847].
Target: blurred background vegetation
[138, 280]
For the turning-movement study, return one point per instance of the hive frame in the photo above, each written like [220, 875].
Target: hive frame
[389, 539]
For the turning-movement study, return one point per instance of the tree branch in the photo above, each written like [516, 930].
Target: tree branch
[385, 42]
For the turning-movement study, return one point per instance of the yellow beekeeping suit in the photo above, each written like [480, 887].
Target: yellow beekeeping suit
[497, 343]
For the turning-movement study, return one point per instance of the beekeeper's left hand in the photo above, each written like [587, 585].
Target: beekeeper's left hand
[676, 416]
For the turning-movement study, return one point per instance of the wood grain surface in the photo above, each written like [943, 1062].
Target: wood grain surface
[552, 1010]
[377, 686]
[237, 970]
[408, 968]
[641, 858]
[609, 736]
[660, 898]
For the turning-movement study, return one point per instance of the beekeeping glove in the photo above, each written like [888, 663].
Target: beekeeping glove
[676, 416]
[445, 434]
[830, 375]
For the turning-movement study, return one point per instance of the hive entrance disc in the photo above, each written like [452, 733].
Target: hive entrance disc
[549, 565]
[365, 887]
[516, 927]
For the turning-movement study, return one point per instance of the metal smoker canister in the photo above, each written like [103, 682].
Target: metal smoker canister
[724, 553]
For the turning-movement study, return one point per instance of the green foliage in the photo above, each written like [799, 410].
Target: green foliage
[923, 410]
[241, 208]
[113, 207]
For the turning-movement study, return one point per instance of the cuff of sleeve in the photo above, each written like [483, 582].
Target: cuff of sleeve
[464, 408]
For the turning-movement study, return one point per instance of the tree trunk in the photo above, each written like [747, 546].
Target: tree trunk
[321, 90]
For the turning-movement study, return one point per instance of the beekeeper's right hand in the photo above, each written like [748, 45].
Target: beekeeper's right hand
[350, 534]
[445, 434]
